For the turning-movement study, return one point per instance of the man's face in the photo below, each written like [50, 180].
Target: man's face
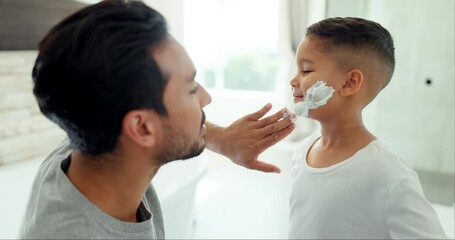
[183, 129]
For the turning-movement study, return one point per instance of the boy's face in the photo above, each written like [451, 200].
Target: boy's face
[183, 129]
[314, 63]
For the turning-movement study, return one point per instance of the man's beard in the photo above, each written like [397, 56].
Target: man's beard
[178, 145]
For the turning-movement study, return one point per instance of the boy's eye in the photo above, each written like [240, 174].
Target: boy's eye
[305, 72]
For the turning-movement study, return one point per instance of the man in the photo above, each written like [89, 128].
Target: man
[123, 89]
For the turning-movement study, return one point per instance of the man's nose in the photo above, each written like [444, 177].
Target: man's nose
[205, 97]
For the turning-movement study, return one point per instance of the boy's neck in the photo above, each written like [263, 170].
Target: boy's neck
[339, 141]
[344, 133]
[345, 137]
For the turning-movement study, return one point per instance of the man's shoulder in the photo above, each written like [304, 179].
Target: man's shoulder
[58, 225]
[50, 211]
[60, 152]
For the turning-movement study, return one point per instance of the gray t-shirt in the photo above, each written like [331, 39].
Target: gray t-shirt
[56, 209]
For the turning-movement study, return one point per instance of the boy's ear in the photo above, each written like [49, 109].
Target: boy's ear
[138, 125]
[354, 81]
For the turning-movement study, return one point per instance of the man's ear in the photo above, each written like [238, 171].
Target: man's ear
[139, 126]
[354, 81]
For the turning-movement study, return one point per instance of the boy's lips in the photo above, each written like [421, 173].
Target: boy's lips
[298, 98]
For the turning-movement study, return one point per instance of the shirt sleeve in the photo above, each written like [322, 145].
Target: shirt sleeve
[409, 215]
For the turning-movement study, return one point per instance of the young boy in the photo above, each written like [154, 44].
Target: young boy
[345, 182]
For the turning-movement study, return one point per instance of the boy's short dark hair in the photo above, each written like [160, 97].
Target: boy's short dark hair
[358, 34]
[95, 66]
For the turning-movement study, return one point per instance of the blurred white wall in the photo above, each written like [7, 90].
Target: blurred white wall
[172, 10]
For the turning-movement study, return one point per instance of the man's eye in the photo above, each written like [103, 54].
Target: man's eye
[194, 90]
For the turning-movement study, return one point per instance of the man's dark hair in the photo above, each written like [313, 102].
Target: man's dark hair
[358, 34]
[95, 66]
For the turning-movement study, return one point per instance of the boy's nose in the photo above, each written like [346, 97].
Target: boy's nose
[294, 82]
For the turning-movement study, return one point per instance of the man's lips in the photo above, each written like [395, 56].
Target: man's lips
[203, 129]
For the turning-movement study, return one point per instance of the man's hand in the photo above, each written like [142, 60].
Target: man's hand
[249, 136]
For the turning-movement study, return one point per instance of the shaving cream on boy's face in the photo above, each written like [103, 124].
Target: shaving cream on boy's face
[317, 95]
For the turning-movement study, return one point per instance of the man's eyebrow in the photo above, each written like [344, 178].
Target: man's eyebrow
[193, 76]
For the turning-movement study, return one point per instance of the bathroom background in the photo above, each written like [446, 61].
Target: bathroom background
[244, 53]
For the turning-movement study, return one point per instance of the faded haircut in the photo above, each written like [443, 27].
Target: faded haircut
[359, 35]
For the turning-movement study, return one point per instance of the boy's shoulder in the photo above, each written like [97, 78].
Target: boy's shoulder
[309, 140]
[379, 150]
[386, 162]
[306, 143]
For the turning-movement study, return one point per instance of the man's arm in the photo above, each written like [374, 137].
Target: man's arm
[249, 136]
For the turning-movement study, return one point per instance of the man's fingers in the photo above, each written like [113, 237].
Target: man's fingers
[277, 136]
[277, 126]
[271, 119]
[263, 167]
[259, 114]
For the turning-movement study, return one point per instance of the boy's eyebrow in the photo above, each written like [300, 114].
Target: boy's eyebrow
[306, 60]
